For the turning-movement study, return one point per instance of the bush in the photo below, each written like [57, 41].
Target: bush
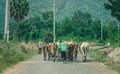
[10, 54]
[102, 57]
[99, 56]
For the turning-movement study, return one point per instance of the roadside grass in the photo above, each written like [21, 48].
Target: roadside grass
[102, 57]
[11, 54]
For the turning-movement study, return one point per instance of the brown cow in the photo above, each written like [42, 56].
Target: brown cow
[70, 51]
[53, 50]
[45, 49]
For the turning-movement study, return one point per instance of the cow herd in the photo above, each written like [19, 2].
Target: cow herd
[51, 52]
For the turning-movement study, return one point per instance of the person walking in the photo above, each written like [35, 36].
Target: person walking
[39, 47]
[63, 48]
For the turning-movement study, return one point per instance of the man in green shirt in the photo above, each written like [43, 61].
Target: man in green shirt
[63, 48]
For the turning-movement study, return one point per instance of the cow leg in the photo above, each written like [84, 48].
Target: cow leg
[58, 55]
[71, 56]
[75, 54]
[44, 54]
[48, 55]
[82, 51]
[54, 56]
[84, 55]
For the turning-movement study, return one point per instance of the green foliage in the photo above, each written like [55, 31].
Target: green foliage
[114, 7]
[48, 37]
[102, 57]
[10, 54]
[115, 66]
[81, 22]
[28, 29]
[33, 28]
[66, 27]
[64, 9]
[96, 29]
[112, 32]
[19, 9]
[80, 28]
[47, 17]
[99, 56]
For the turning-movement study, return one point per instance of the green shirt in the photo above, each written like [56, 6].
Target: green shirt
[62, 47]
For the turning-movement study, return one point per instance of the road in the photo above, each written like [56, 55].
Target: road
[36, 65]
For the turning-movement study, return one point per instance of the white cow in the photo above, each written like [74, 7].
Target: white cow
[84, 47]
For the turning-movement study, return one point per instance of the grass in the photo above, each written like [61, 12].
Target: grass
[22, 57]
[98, 56]
[102, 57]
[11, 54]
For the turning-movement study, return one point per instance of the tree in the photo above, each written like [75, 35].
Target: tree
[95, 28]
[114, 7]
[48, 37]
[81, 22]
[65, 27]
[112, 32]
[48, 19]
[19, 9]
[29, 29]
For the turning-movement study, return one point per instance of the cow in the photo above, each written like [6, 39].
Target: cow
[52, 51]
[70, 48]
[75, 50]
[84, 47]
[45, 50]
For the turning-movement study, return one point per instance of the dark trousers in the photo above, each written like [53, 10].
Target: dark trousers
[63, 55]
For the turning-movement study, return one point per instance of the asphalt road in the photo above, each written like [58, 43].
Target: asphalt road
[36, 65]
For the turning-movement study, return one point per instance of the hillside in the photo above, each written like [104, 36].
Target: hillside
[68, 7]
[64, 8]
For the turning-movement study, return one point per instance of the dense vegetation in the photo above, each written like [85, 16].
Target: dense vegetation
[64, 8]
[12, 53]
[114, 7]
[101, 56]
[80, 27]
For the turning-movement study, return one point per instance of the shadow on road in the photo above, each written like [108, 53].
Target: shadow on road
[89, 60]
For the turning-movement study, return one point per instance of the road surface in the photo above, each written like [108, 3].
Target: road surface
[36, 65]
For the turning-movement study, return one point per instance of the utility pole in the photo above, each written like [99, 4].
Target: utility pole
[101, 30]
[54, 36]
[6, 30]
